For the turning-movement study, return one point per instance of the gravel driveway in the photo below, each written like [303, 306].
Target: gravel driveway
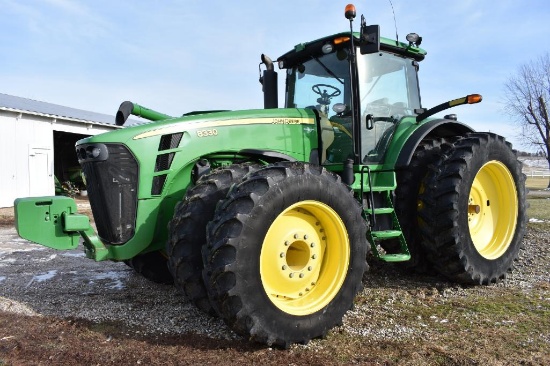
[38, 280]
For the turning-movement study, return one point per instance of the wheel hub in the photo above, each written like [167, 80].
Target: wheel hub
[492, 210]
[299, 260]
[304, 258]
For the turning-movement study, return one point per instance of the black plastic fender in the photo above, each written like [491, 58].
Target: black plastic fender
[433, 128]
[267, 155]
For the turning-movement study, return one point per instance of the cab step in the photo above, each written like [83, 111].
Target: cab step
[383, 210]
[386, 234]
[400, 257]
[385, 207]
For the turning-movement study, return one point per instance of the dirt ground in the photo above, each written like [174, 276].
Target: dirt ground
[398, 319]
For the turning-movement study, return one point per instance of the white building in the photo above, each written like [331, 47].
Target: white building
[37, 142]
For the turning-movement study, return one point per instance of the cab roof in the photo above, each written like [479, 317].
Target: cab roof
[304, 51]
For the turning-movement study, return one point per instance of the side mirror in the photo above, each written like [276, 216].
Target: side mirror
[370, 39]
[369, 122]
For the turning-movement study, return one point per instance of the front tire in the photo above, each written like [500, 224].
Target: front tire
[152, 266]
[474, 210]
[188, 230]
[286, 254]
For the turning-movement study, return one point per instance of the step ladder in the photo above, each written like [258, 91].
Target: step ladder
[375, 237]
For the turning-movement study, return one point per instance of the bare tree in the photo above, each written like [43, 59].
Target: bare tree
[527, 98]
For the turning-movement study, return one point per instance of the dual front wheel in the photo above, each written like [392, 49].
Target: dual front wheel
[284, 254]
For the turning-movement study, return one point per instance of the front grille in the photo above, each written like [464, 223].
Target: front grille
[164, 161]
[158, 184]
[111, 173]
[171, 141]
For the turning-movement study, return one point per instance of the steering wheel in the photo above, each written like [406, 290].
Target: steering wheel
[325, 97]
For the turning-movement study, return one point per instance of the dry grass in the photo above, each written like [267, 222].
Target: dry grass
[536, 183]
[539, 208]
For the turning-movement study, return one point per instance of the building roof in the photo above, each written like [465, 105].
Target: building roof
[18, 104]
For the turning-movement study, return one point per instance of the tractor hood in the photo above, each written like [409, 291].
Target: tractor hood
[196, 121]
[160, 151]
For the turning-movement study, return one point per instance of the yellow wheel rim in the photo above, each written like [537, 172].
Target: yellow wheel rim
[492, 210]
[304, 258]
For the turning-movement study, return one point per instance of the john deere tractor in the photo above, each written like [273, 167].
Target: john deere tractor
[266, 217]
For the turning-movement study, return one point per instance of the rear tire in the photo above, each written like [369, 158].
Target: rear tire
[473, 210]
[409, 186]
[286, 254]
[188, 230]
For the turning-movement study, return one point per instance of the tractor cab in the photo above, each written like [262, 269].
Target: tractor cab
[360, 86]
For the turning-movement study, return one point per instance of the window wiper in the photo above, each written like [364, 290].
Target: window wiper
[328, 70]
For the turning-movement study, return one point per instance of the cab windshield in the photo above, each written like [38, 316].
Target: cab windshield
[388, 91]
[323, 83]
[320, 83]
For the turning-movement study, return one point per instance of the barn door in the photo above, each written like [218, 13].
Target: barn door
[41, 181]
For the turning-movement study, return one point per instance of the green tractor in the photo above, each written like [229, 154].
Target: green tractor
[266, 217]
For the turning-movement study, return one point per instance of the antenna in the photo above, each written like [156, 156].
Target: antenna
[395, 23]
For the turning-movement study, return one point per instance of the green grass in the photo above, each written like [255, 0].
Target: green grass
[539, 208]
[539, 202]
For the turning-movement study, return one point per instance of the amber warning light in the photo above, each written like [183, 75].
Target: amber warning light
[474, 98]
[350, 11]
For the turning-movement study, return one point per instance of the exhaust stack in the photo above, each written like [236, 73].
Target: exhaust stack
[269, 84]
[127, 108]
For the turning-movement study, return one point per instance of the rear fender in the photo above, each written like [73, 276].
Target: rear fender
[433, 128]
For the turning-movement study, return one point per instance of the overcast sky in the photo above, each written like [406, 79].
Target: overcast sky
[179, 56]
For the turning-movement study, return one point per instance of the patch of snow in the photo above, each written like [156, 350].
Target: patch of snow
[116, 278]
[535, 163]
[4, 262]
[6, 248]
[72, 254]
[43, 277]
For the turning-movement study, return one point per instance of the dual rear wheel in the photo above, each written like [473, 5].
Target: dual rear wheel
[472, 210]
